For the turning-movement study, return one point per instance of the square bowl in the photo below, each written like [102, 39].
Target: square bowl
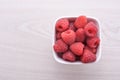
[98, 53]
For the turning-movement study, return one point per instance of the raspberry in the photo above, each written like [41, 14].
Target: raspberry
[62, 24]
[77, 48]
[68, 36]
[80, 35]
[72, 27]
[80, 22]
[58, 35]
[91, 29]
[93, 42]
[94, 50]
[88, 56]
[60, 46]
[69, 56]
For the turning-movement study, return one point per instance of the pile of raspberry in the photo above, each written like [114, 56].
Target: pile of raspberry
[76, 39]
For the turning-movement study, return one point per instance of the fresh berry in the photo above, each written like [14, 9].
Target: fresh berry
[72, 27]
[62, 24]
[93, 42]
[94, 50]
[60, 46]
[58, 35]
[88, 56]
[77, 48]
[91, 29]
[80, 22]
[69, 56]
[80, 35]
[68, 36]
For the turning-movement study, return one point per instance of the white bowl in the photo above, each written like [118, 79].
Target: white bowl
[98, 54]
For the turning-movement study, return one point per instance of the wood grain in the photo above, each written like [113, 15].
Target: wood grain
[26, 31]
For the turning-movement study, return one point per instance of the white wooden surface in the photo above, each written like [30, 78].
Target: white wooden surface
[26, 30]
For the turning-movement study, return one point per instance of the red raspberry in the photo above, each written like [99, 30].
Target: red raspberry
[60, 46]
[77, 48]
[94, 50]
[91, 29]
[69, 56]
[80, 35]
[88, 56]
[93, 42]
[58, 35]
[72, 27]
[62, 24]
[68, 36]
[80, 22]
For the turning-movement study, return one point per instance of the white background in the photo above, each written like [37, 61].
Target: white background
[26, 31]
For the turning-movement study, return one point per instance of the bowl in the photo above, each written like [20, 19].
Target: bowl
[98, 53]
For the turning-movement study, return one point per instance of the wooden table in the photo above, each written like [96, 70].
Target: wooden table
[26, 31]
